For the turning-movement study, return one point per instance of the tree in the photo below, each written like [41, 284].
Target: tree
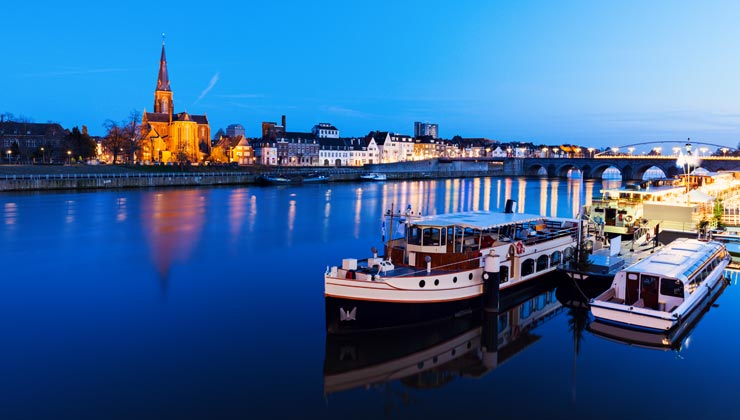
[132, 129]
[115, 139]
[80, 143]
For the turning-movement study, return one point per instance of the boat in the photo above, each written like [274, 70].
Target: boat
[431, 357]
[436, 269]
[373, 176]
[620, 211]
[314, 178]
[672, 339]
[273, 179]
[662, 290]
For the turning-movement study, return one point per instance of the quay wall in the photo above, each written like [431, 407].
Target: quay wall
[70, 180]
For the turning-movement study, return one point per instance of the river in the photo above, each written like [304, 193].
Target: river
[209, 303]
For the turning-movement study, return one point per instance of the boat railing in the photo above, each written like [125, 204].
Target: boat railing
[439, 267]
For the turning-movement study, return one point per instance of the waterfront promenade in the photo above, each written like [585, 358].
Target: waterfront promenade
[85, 177]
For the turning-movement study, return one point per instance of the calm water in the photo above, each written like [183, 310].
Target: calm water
[209, 303]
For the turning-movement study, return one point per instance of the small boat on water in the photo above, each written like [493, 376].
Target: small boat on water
[314, 179]
[439, 268]
[661, 291]
[273, 179]
[373, 176]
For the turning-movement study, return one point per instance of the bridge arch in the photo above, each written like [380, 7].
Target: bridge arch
[598, 171]
[562, 170]
[534, 169]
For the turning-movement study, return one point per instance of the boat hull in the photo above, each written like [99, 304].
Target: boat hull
[346, 315]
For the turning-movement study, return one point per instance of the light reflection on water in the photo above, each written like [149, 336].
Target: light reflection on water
[240, 323]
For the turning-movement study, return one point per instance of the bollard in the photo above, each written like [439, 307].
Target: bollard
[491, 277]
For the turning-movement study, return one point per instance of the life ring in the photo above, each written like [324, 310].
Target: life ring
[628, 218]
[520, 247]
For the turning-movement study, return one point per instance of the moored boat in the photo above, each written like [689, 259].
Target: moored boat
[662, 290]
[273, 179]
[373, 176]
[314, 178]
[437, 269]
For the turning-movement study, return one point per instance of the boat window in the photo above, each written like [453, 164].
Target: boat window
[503, 321]
[527, 267]
[671, 287]
[414, 236]
[504, 276]
[431, 236]
[568, 254]
[542, 262]
[555, 258]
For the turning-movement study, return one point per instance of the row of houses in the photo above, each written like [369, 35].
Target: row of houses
[310, 149]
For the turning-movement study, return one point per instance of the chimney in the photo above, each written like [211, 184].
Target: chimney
[284, 122]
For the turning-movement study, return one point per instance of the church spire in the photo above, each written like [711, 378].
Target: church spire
[163, 81]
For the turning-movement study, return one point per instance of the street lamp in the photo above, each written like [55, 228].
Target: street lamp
[724, 151]
[9, 152]
[578, 152]
[676, 150]
[631, 149]
[657, 150]
[69, 157]
[615, 150]
[591, 151]
[42, 154]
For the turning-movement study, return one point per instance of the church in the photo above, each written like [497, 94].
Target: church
[167, 136]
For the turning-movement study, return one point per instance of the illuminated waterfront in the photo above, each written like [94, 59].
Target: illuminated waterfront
[208, 302]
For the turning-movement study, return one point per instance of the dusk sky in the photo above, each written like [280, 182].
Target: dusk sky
[547, 72]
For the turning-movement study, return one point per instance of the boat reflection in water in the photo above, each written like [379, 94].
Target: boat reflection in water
[668, 340]
[431, 356]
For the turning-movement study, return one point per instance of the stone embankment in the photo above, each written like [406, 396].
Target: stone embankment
[34, 178]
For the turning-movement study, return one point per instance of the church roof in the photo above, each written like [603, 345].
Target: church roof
[163, 81]
[183, 116]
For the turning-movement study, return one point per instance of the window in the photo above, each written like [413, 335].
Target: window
[527, 267]
[542, 262]
[414, 236]
[555, 258]
[432, 237]
[504, 275]
[671, 287]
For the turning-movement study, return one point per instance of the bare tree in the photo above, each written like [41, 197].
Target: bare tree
[116, 138]
[133, 133]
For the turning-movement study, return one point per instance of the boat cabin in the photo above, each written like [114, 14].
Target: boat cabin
[665, 280]
[459, 240]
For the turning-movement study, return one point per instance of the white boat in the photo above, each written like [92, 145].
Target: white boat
[373, 176]
[273, 179]
[661, 291]
[620, 210]
[437, 271]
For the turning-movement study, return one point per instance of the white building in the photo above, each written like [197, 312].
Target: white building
[325, 131]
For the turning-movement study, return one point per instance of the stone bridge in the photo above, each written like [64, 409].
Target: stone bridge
[630, 167]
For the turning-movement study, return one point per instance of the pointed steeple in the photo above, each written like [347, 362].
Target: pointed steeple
[163, 81]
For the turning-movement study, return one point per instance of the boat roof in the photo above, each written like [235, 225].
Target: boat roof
[678, 259]
[477, 219]
[655, 191]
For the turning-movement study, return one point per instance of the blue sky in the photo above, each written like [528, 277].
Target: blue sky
[549, 72]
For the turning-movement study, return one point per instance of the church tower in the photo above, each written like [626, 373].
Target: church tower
[162, 94]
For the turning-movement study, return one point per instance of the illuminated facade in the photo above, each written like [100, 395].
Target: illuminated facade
[167, 136]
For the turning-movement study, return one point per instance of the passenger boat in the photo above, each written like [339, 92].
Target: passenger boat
[620, 211]
[662, 290]
[373, 176]
[436, 270]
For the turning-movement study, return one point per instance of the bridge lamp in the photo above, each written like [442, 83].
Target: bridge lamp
[631, 149]
[676, 150]
[724, 151]
[615, 150]
[591, 151]
[555, 150]
[544, 151]
[704, 150]
[578, 151]
[657, 150]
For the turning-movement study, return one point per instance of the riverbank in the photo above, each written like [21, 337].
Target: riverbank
[84, 177]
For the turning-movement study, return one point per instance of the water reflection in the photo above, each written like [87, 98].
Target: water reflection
[173, 223]
[237, 211]
[10, 213]
[432, 356]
